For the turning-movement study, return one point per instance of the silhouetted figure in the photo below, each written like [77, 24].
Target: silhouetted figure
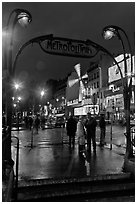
[102, 125]
[30, 122]
[37, 123]
[43, 122]
[71, 128]
[90, 125]
[26, 121]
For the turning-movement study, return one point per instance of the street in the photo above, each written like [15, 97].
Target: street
[59, 135]
[118, 137]
[48, 155]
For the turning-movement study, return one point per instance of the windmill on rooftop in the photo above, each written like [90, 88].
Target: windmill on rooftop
[79, 80]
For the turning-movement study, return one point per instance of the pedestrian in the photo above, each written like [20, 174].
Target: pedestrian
[26, 121]
[90, 125]
[43, 122]
[30, 122]
[102, 125]
[37, 123]
[71, 128]
[81, 134]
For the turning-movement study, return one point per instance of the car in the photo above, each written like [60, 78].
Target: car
[48, 124]
[60, 122]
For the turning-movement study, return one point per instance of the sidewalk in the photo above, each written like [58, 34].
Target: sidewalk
[57, 160]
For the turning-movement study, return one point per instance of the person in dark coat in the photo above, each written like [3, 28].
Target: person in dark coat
[30, 122]
[102, 125]
[37, 123]
[26, 121]
[71, 128]
[90, 125]
[43, 122]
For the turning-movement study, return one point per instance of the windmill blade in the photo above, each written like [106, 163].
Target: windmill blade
[78, 70]
[85, 76]
[81, 88]
[72, 82]
[81, 85]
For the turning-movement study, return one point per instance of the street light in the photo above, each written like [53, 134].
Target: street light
[19, 98]
[42, 93]
[14, 105]
[18, 110]
[108, 33]
[17, 85]
[113, 31]
[24, 18]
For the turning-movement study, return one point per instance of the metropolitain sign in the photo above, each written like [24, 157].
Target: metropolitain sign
[67, 47]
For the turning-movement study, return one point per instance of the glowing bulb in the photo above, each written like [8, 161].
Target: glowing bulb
[24, 19]
[42, 93]
[108, 34]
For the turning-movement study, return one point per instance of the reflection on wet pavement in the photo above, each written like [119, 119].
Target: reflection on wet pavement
[50, 158]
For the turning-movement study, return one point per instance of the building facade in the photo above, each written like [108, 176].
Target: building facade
[57, 105]
[102, 91]
[114, 101]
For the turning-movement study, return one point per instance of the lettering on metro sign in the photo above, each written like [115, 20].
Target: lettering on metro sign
[67, 47]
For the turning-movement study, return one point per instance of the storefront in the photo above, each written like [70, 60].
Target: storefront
[83, 110]
[77, 108]
[114, 104]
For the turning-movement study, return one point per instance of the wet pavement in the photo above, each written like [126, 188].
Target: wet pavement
[48, 155]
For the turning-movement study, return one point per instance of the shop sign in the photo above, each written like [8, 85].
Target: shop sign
[86, 101]
[116, 89]
[113, 91]
[79, 111]
[113, 71]
[73, 102]
[93, 109]
[67, 47]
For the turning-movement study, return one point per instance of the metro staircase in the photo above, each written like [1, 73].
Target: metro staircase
[110, 187]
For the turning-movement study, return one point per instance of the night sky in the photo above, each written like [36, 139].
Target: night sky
[76, 20]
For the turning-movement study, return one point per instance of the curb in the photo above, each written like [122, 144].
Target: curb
[129, 166]
[64, 180]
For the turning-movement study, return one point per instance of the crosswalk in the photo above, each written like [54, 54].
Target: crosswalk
[57, 136]
[26, 139]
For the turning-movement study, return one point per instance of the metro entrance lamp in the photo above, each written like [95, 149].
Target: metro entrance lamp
[108, 33]
[23, 17]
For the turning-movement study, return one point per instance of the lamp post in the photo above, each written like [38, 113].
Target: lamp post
[42, 93]
[108, 33]
[18, 111]
[24, 18]
[17, 86]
